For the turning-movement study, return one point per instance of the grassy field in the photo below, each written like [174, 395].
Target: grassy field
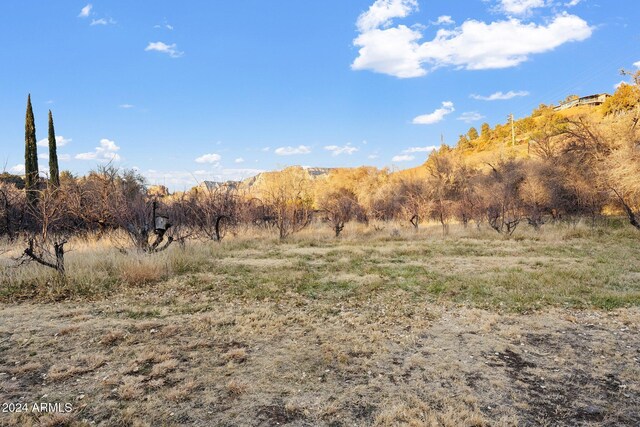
[384, 328]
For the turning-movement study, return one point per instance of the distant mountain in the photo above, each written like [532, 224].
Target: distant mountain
[313, 172]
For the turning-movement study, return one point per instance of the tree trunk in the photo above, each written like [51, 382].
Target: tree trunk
[414, 221]
[58, 248]
[218, 223]
[633, 220]
[7, 216]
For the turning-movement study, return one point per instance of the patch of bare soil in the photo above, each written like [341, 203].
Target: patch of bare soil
[304, 362]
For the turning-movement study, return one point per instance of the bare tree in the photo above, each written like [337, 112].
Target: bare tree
[94, 199]
[503, 207]
[214, 210]
[143, 219]
[12, 210]
[547, 136]
[412, 199]
[467, 202]
[441, 184]
[288, 196]
[340, 206]
[621, 171]
[535, 198]
[387, 202]
[48, 232]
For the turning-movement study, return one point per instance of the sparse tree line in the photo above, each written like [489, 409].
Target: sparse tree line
[578, 167]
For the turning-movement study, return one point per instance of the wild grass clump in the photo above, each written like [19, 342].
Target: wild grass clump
[92, 271]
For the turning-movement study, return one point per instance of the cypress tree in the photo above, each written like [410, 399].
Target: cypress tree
[54, 174]
[30, 155]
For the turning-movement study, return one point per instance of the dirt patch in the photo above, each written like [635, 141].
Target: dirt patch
[276, 415]
[514, 361]
[184, 352]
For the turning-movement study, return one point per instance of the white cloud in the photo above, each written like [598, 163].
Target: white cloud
[474, 45]
[239, 160]
[382, 12]
[209, 158]
[499, 96]
[288, 151]
[107, 151]
[471, 117]
[103, 21]
[265, 149]
[444, 20]
[520, 7]
[403, 158]
[372, 156]
[636, 64]
[420, 149]
[126, 106]
[17, 169]
[61, 141]
[337, 150]
[165, 26]
[169, 49]
[85, 11]
[435, 117]
[477, 45]
[392, 51]
[573, 3]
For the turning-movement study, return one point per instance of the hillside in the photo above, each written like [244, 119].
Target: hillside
[477, 148]
[496, 143]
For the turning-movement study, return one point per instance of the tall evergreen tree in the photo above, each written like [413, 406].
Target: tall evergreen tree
[30, 155]
[54, 173]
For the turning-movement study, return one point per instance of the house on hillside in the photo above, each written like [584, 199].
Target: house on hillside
[591, 100]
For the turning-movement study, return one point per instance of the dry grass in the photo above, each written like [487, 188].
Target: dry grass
[407, 330]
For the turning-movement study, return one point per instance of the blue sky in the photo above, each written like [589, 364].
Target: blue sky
[216, 90]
